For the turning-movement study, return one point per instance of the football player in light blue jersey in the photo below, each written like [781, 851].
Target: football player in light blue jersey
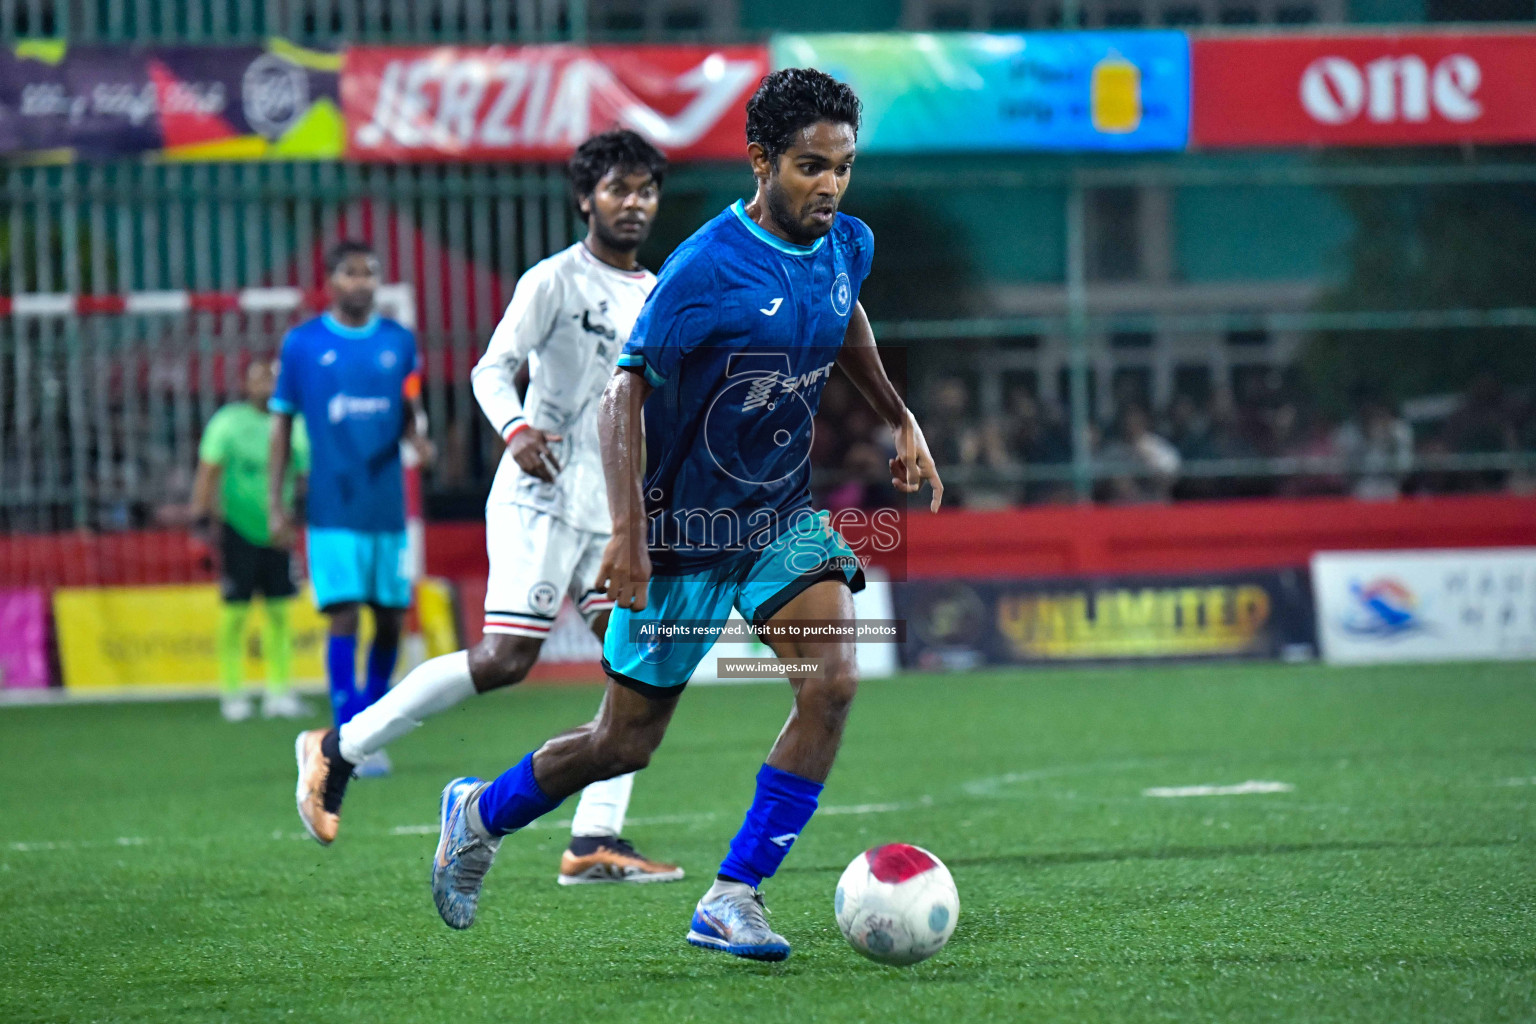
[712, 510]
[351, 373]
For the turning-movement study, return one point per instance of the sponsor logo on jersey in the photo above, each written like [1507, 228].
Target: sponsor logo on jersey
[761, 393]
[601, 330]
[772, 307]
[356, 407]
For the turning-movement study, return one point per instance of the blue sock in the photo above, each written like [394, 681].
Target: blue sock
[780, 809]
[514, 799]
[341, 673]
[381, 666]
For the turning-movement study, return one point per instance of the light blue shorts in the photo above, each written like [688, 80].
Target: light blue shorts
[352, 565]
[758, 588]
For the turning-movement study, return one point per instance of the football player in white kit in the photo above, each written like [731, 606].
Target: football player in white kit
[546, 519]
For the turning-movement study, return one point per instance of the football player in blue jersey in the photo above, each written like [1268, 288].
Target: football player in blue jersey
[712, 509]
[351, 373]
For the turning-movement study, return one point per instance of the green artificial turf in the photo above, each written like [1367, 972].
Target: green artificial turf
[152, 867]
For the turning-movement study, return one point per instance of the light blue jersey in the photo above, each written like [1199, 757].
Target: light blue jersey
[349, 384]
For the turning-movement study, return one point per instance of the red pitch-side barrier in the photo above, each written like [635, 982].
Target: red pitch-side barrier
[1192, 536]
[1051, 541]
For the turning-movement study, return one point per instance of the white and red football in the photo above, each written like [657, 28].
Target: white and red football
[896, 904]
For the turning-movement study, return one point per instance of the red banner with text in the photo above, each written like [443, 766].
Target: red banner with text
[1364, 90]
[541, 102]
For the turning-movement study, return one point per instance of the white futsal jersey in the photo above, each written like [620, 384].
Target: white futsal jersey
[569, 317]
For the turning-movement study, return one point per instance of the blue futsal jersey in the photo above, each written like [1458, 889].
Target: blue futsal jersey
[738, 338]
[349, 384]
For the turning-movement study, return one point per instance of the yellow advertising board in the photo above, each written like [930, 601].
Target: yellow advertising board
[114, 637]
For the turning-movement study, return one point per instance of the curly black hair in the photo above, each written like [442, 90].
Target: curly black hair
[600, 154]
[338, 253]
[792, 99]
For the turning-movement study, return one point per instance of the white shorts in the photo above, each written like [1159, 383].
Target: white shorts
[536, 560]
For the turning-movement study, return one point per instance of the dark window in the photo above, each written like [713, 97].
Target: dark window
[949, 17]
[1114, 236]
[1247, 337]
[1132, 385]
[1183, 16]
[1131, 339]
[1194, 380]
[1020, 380]
[1017, 342]
[684, 19]
[1010, 18]
[618, 19]
[1296, 15]
[1122, 17]
[1238, 16]
[1480, 10]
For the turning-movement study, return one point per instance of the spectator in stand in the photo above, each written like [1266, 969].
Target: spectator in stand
[1038, 438]
[1378, 446]
[867, 480]
[1483, 424]
[1189, 427]
[1146, 465]
[1299, 432]
[948, 411]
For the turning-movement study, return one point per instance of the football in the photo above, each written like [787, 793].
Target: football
[896, 904]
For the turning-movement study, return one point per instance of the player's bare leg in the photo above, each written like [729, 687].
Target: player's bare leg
[808, 743]
[476, 815]
[598, 852]
[730, 916]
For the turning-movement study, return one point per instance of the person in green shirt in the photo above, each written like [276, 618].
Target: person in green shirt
[232, 464]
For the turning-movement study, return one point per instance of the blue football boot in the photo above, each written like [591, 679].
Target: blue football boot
[462, 858]
[731, 918]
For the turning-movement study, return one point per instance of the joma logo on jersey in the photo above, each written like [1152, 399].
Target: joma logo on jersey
[762, 390]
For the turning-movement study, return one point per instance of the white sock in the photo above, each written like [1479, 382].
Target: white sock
[430, 687]
[723, 888]
[603, 806]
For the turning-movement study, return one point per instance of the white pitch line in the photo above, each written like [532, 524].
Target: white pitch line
[1529, 780]
[1241, 789]
[76, 844]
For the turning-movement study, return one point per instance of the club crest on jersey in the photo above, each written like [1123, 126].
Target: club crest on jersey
[842, 295]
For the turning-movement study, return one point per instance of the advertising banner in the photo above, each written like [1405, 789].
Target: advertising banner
[277, 102]
[1364, 90]
[964, 623]
[972, 91]
[1382, 606]
[113, 637]
[23, 639]
[541, 102]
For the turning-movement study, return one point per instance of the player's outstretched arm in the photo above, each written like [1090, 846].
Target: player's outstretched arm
[626, 566]
[860, 360]
[279, 450]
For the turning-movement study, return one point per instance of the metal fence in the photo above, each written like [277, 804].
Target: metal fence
[99, 414]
